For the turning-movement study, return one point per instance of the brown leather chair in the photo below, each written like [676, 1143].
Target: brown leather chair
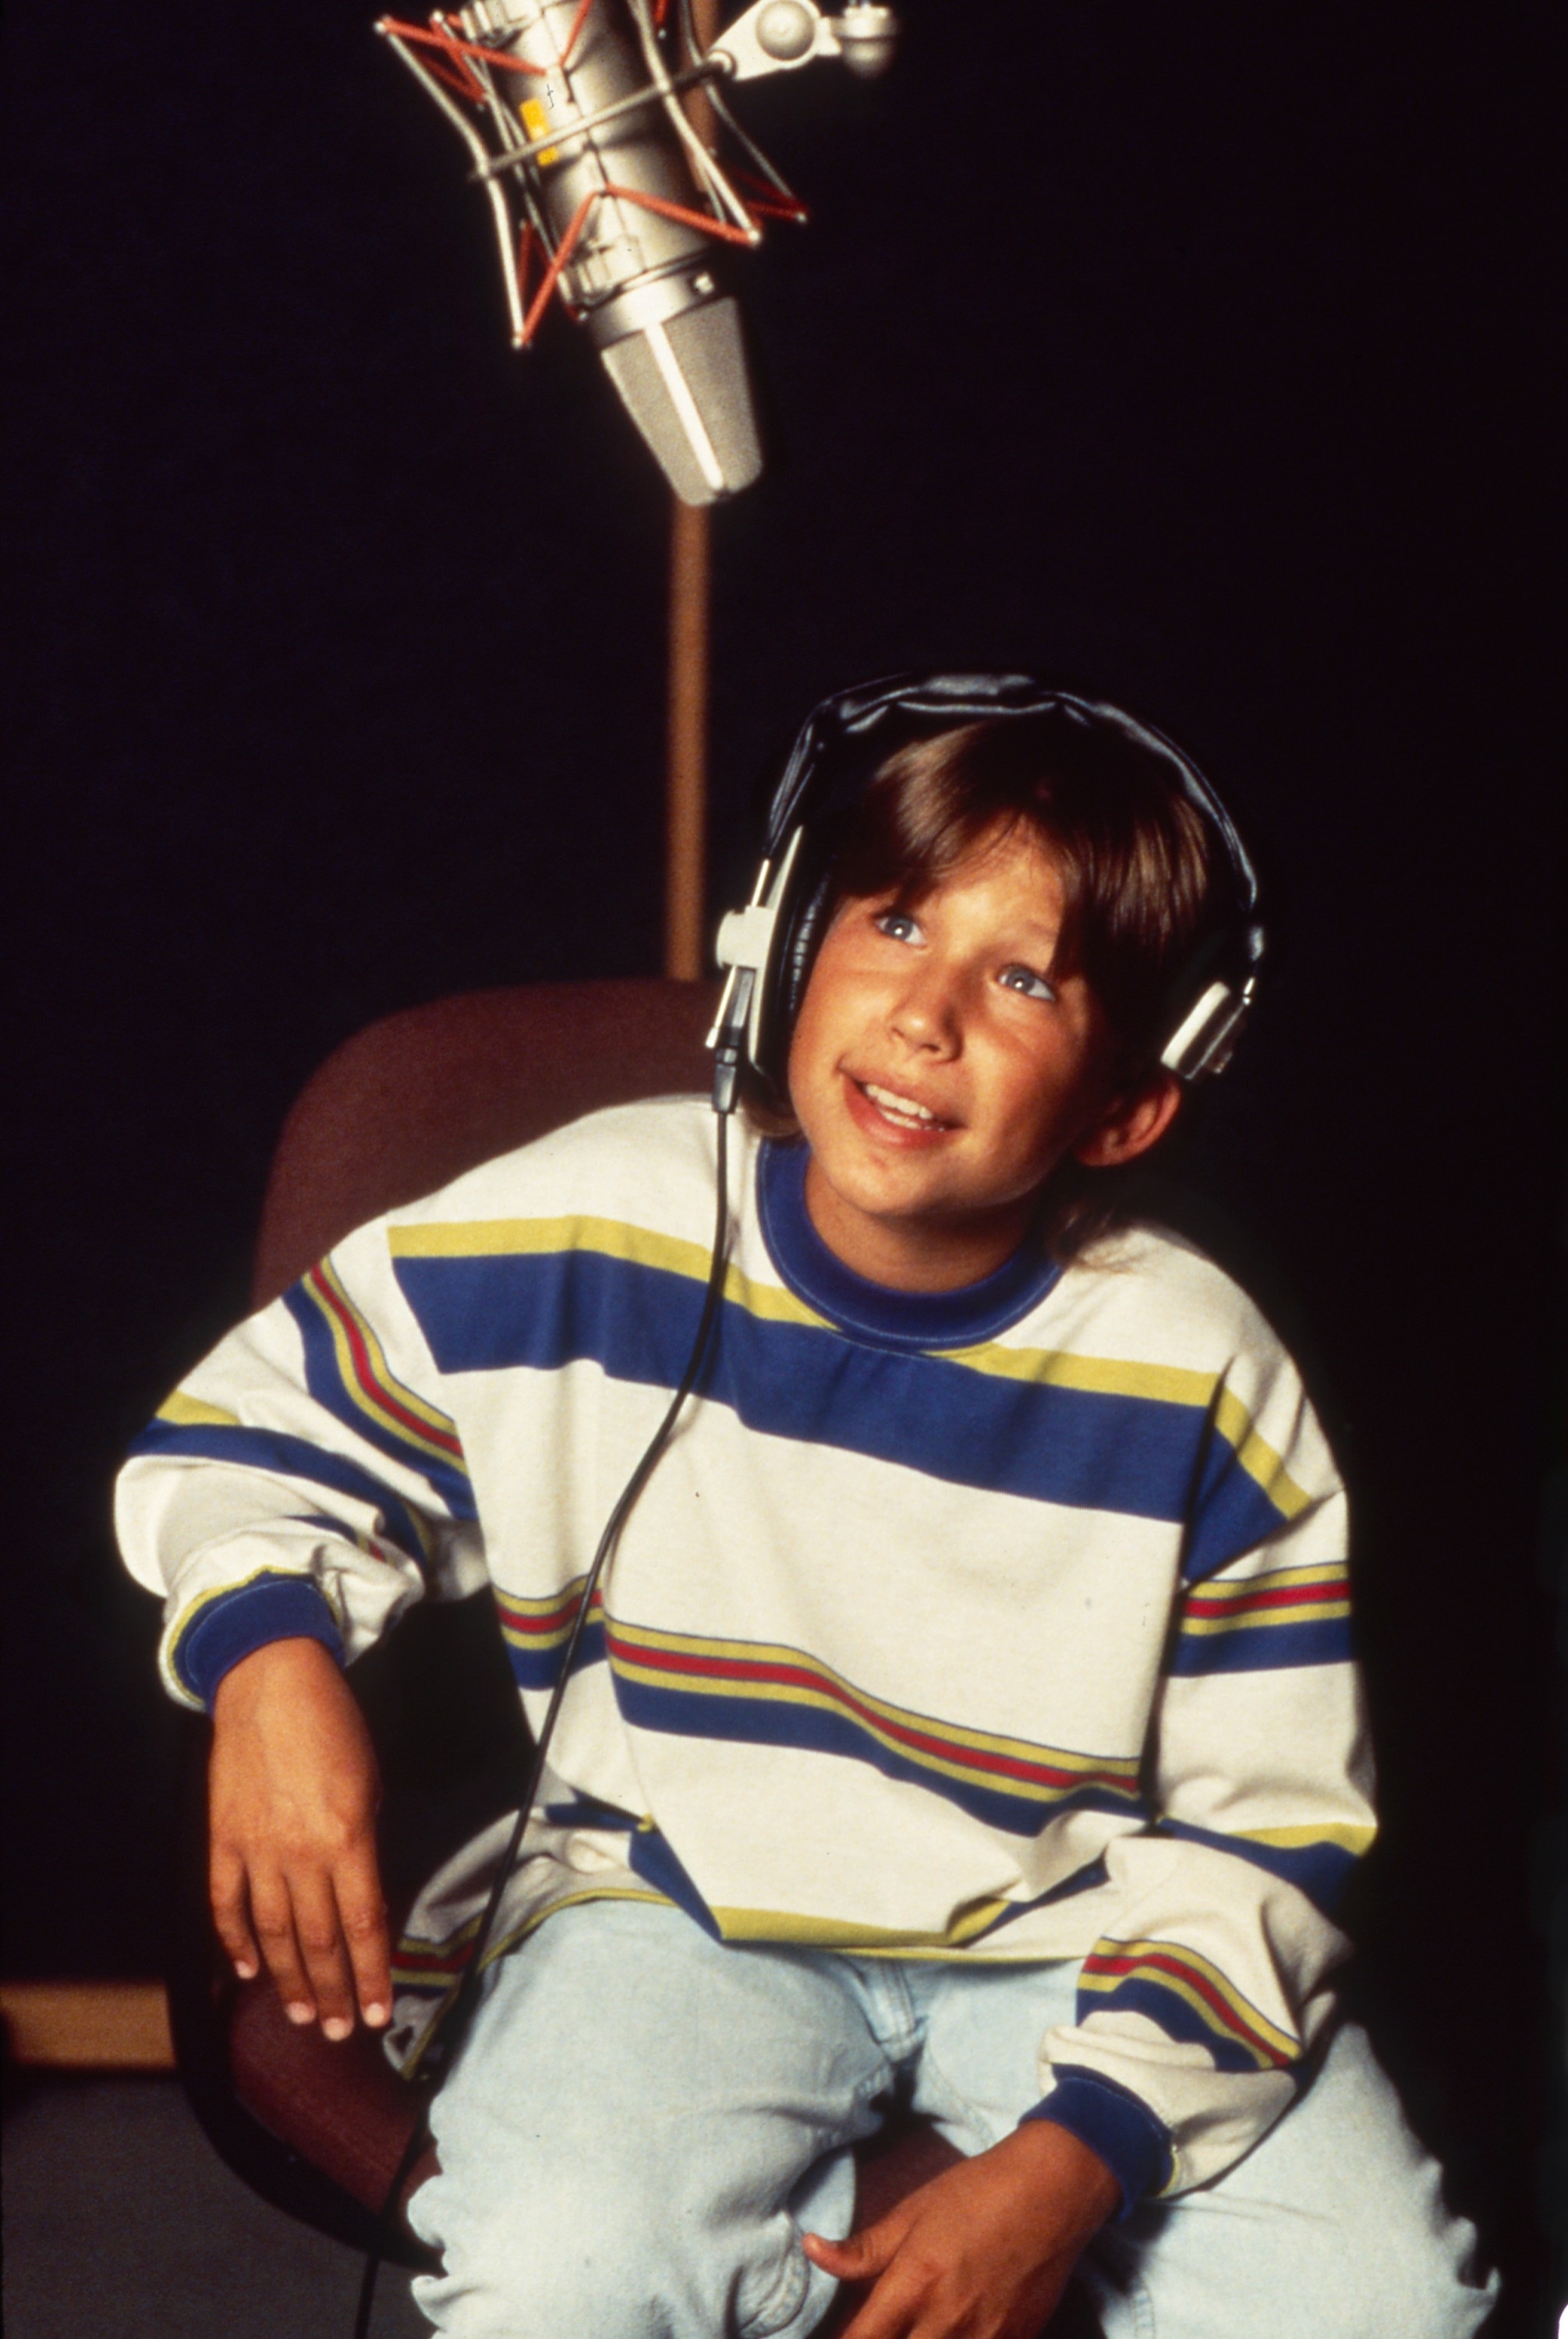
[398, 1110]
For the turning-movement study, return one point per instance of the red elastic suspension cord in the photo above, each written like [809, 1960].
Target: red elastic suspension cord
[436, 36]
[579, 21]
[577, 222]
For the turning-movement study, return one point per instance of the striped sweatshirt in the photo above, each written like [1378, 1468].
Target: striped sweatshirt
[1002, 1623]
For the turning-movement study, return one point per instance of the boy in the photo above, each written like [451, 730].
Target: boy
[967, 1718]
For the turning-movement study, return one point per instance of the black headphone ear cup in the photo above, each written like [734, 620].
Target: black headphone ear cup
[807, 923]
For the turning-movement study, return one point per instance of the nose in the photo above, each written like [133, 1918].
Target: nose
[927, 1013]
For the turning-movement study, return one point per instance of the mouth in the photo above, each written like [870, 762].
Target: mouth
[894, 1111]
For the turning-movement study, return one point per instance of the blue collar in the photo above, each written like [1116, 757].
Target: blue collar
[872, 1311]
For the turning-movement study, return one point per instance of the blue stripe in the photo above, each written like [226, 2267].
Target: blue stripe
[653, 1859]
[325, 1382]
[770, 1721]
[579, 1810]
[285, 1458]
[540, 1668]
[1173, 2014]
[276, 1606]
[1320, 1871]
[1263, 1648]
[1230, 1511]
[1080, 1447]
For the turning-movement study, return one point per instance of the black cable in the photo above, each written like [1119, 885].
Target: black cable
[451, 2023]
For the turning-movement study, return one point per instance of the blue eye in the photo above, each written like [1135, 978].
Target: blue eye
[898, 926]
[1026, 984]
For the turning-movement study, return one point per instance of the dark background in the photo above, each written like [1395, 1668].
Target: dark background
[1193, 353]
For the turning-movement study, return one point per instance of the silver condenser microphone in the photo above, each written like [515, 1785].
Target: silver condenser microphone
[571, 111]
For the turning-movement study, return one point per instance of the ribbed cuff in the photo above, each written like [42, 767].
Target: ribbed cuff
[272, 1607]
[1133, 2142]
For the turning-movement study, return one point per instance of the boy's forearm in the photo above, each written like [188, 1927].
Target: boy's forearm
[294, 1790]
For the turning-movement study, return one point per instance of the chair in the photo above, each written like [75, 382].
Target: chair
[406, 1105]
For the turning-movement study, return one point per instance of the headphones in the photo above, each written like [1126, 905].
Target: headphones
[767, 947]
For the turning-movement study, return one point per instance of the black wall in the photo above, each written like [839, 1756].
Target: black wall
[1196, 354]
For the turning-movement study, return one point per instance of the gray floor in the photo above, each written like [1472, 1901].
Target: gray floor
[122, 2223]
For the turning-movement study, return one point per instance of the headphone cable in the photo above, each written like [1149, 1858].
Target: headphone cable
[452, 2022]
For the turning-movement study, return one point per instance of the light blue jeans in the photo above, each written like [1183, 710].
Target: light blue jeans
[642, 2120]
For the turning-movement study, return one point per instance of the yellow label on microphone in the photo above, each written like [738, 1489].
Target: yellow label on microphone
[536, 122]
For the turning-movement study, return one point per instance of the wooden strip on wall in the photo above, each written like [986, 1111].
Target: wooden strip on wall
[87, 2026]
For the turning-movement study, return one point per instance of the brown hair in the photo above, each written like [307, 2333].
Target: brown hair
[1148, 884]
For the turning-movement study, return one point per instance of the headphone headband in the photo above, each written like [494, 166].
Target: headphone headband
[769, 946]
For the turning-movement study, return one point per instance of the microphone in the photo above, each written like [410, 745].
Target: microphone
[570, 111]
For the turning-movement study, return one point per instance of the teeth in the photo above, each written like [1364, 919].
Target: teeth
[898, 1107]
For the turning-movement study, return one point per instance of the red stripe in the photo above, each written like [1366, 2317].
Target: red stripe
[802, 1677]
[1165, 1963]
[364, 1372]
[516, 1621]
[1304, 1595]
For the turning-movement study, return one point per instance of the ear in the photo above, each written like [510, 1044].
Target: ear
[1131, 1124]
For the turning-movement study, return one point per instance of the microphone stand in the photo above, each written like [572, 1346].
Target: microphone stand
[690, 606]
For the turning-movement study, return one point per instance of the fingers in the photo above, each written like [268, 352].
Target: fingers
[319, 1930]
[865, 2257]
[363, 1914]
[854, 2260]
[272, 1918]
[902, 2305]
[323, 1940]
[231, 1913]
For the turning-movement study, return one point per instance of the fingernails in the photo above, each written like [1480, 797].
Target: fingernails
[298, 2011]
[246, 1968]
[336, 2026]
[377, 2014]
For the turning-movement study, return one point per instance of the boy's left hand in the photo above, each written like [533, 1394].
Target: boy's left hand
[983, 2250]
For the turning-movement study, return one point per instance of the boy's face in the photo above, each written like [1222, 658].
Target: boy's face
[940, 1072]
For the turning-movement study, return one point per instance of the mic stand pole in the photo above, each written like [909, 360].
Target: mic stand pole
[687, 789]
[686, 800]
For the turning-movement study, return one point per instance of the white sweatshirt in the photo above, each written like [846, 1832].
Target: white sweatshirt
[1003, 1623]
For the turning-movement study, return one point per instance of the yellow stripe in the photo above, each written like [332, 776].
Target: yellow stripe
[767, 1653]
[1101, 1376]
[1258, 1458]
[552, 1600]
[1323, 1571]
[380, 1371]
[1200, 1628]
[734, 1924]
[839, 1933]
[188, 1412]
[1243, 2008]
[1349, 1836]
[610, 1239]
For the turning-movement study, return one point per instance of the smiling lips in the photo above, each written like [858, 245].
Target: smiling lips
[887, 1111]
